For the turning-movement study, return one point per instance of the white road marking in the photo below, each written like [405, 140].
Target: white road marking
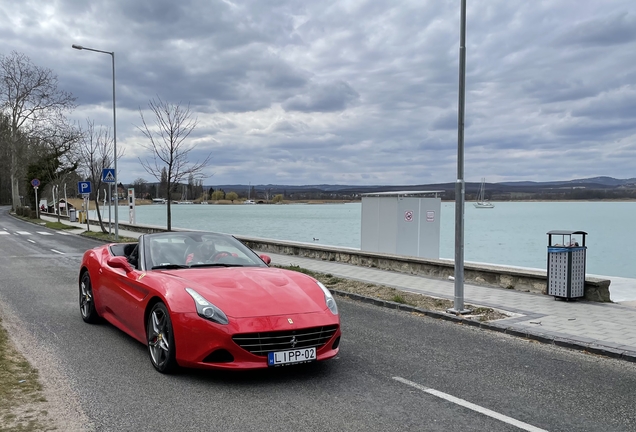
[472, 406]
[4, 232]
[64, 233]
[56, 251]
[23, 232]
[31, 241]
[44, 233]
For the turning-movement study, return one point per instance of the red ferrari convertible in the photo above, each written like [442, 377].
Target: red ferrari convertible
[205, 300]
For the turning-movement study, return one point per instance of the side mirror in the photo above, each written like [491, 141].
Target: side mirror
[120, 262]
[266, 259]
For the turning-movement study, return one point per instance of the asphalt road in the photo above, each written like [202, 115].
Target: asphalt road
[395, 371]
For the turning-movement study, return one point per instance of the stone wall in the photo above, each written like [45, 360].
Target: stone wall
[504, 277]
[500, 276]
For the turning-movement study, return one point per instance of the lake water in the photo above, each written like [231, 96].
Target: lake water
[513, 233]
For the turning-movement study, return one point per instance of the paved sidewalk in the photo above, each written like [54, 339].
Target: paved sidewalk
[602, 328]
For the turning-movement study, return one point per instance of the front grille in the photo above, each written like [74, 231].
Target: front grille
[262, 343]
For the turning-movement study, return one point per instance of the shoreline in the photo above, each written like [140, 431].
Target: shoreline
[78, 202]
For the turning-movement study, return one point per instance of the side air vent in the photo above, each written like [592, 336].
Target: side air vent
[219, 356]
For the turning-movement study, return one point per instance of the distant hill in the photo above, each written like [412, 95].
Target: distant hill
[604, 181]
[588, 183]
[594, 188]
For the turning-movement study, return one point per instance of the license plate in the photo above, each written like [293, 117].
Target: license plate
[280, 358]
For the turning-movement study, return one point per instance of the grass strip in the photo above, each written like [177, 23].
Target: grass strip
[383, 292]
[48, 224]
[21, 393]
[109, 238]
[55, 225]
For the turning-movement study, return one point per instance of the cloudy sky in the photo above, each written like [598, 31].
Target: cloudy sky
[352, 91]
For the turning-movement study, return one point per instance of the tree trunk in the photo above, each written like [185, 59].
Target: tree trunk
[15, 182]
[15, 192]
[99, 215]
[169, 215]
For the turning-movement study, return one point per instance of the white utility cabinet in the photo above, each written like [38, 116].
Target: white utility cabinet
[401, 223]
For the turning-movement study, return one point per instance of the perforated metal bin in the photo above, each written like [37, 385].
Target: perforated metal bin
[566, 264]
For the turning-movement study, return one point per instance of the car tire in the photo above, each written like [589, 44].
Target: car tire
[160, 337]
[86, 300]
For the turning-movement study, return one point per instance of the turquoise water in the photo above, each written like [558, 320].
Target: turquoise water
[513, 233]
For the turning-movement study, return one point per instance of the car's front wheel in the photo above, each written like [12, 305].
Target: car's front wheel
[161, 339]
[86, 300]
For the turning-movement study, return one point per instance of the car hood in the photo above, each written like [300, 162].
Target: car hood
[248, 291]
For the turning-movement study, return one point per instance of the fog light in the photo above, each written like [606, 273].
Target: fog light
[336, 343]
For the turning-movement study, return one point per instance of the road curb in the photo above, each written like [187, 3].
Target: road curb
[590, 348]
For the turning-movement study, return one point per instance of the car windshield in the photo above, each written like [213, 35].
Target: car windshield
[176, 250]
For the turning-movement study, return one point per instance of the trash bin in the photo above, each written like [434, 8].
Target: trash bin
[566, 264]
[72, 215]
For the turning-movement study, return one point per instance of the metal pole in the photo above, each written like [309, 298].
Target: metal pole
[112, 54]
[65, 200]
[56, 201]
[37, 204]
[458, 305]
[115, 151]
[109, 196]
[87, 204]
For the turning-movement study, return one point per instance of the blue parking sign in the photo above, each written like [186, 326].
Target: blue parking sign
[84, 187]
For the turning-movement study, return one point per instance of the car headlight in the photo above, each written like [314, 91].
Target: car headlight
[331, 303]
[207, 310]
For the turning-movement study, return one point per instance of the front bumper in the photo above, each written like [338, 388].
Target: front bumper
[200, 343]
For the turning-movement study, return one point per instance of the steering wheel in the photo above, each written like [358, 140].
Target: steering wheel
[219, 255]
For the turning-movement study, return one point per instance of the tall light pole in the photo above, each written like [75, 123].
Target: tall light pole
[112, 54]
[460, 190]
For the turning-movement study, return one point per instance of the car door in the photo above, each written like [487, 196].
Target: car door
[126, 294]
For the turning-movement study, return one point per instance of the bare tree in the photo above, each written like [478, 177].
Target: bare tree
[29, 96]
[96, 154]
[173, 124]
[141, 186]
[54, 153]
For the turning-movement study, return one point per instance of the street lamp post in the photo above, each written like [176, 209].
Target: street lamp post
[112, 54]
[458, 304]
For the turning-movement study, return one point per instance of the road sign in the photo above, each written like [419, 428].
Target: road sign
[108, 175]
[35, 182]
[84, 187]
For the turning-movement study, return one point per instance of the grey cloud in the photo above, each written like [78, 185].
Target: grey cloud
[616, 29]
[310, 92]
[335, 96]
[620, 105]
[287, 126]
[158, 11]
[446, 121]
[600, 132]
[558, 90]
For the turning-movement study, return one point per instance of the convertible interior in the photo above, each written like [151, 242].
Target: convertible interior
[128, 250]
[175, 250]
